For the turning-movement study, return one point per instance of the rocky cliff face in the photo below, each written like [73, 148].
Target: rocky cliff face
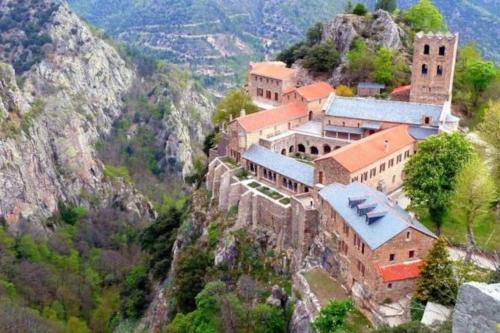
[376, 30]
[54, 113]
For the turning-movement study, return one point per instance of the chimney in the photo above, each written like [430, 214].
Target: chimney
[386, 146]
[230, 117]
[243, 113]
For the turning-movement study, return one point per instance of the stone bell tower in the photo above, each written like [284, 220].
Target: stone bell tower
[434, 56]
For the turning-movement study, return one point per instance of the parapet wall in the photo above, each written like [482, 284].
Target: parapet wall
[290, 228]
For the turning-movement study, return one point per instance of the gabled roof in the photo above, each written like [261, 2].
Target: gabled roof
[313, 92]
[401, 271]
[394, 220]
[383, 110]
[370, 149]
[271, 117]
[275, 70]
[286, 166]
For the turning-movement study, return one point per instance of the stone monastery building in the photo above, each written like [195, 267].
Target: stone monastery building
[316, 171]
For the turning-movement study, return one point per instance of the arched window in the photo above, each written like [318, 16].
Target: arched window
[314, 150]
[301, 148]
[425, 69]
[427, 49]
[442, 50]
[290, 150]
[439, 70]
[283, 151]
[326, 149]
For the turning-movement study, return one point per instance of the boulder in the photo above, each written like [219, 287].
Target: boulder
[477, 309]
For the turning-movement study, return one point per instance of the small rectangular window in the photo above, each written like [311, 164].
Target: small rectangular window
[389, 286]
[411, 254]
[392, 256]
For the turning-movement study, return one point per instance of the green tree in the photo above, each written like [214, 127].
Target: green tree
[232, 104]
[383, 66]
[267, 319]
[478, 75]
[387, 5]
[293, 53]
[424, 16]
[488, 130]
[188, 278]
[322, 57]
[314, 34]
[76, 325]
[158, 239]
[360, 60]
[135, 292]
[430, 174]
[359, 9]
[332, 317]
[474, 192]
[436, 282]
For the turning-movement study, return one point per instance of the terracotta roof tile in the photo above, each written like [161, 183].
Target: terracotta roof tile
[267, 118]
[313, 91]
[401, 89]
[371, 148]
[272, 70]
[398, 272]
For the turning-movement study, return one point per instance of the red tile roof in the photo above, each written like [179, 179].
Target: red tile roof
[313, 91]
[401, 89]
[273, 70]
[267, 118]
[370, 149]
[398, 272]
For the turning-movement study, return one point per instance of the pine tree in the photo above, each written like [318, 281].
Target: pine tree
[436, 282]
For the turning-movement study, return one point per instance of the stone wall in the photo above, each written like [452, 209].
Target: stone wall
[477, 309]
[290, 228]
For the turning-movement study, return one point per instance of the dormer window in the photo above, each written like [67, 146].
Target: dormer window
[439, 70]
[427, 120]
[442, 50]
[425, 69]
[427, 49]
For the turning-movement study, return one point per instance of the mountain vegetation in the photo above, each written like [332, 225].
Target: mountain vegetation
[215, 39]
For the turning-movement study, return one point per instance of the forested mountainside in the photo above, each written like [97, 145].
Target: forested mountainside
[215, 38]
[68, 89]
[94, 139]
[477, 21]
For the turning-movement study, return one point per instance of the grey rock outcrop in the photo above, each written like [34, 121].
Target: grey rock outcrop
[301, 319]
[52, 121]
[477, 308]
[376, 30]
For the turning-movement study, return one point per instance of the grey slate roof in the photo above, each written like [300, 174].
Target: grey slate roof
[376, 234]
[383, 110]
[371, 85]
[343, 129]
[281, 164]
[371, 125]
[421, 133]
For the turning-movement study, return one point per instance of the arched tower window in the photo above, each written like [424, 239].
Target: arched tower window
[424, 69]
[427, 49]
[314, 150]
[439, 70]
[442, 50]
